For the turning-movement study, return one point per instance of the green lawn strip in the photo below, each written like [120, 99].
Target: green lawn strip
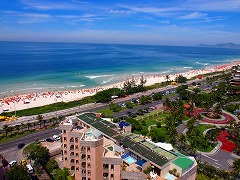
[105, 111]
[14, 136]
[169, 95]
[209, 149]
[150, 122]
[203, 127]
[29, 147]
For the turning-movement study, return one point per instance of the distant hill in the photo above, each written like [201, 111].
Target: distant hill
[224, 45]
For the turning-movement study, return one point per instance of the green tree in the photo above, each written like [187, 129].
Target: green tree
[17, 127]
[106, 95]
[18, 172]
[62, 175]
[236, 165]
[114, 107]
[157, 96]
[22, 126]
[181, 79]
[51, 164]
[144, 131]
[29, 125]
[159, 125]
[5, 128]
[129, 105]
[10, 129]
[140, 87]
[167, 78]
[39, 154]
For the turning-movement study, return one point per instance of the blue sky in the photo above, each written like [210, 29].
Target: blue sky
[165, 22]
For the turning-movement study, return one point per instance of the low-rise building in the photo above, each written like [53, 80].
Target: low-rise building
[93, 148]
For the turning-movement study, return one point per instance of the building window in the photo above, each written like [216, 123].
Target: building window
[64, 145]
[76, 147]
[72, 154]
[112, 167]
[105, 166]
[88, 149]
[105, 175]
[65, 158]
[83, 178]
[77, 169]
[72, 168]
[71, 147]
[89, 172]
[72, 160]
[88, 157]
[71, 140]
[64, 138]
[83, 148]
[76, 140]
[77, 162]
[76, 154]
[89, 178]
[89, 165]
[112, 176]
[83, 165]
[83, 156]
[64, 131]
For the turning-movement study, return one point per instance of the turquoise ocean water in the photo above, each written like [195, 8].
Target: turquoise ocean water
[31, 67]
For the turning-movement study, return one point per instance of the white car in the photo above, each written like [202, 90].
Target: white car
[12, 163]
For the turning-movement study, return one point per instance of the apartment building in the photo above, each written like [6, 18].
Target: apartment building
[93, 148]
[235, 78]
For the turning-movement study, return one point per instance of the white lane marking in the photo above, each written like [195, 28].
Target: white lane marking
[218, 164]
[209, 157]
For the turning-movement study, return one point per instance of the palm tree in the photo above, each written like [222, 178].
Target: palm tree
[236, 165]
[40, 122]
[167, 78]
[62, 174]
[17, 127]
[5, 128]
[10, 129]
[33, 124]
[22, 126]
[44, 122]
[28, 125]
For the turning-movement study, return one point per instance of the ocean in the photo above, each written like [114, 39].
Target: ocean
[32, 67]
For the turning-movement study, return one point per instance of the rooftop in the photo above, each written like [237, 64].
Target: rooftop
[135, 143]
[183, 162]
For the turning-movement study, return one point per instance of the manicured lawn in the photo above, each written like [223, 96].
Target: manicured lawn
[203, 127]
[209, 149]
[106, 111]
[150, 122]
[29, 147]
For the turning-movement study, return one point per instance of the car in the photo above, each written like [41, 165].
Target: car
[21, 145]
[23, 162]
[56, 137]
[49, 140]
[12, 163]
[30, 169]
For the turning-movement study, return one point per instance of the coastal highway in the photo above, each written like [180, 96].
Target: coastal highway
[92, 107]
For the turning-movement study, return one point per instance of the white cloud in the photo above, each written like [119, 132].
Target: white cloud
[151, 10]
[194, 15]
[49, 5]
[212, 5]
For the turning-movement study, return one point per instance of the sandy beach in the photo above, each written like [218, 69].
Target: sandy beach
[30, 100]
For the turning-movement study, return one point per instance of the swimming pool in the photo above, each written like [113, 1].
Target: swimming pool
[130, 160]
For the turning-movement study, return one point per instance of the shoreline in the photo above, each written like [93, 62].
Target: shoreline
[37, 99]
